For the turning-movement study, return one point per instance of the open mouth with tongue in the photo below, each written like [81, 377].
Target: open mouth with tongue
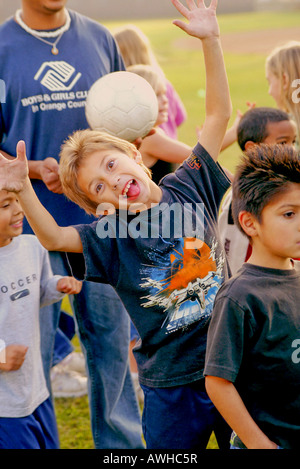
[131, 190]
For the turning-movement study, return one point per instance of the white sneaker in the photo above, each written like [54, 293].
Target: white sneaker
[67, 383]
[75, 361]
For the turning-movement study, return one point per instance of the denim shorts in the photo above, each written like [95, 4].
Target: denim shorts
[182, 417]
[35, 431]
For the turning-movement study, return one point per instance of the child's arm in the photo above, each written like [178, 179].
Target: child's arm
[69, 285]
[14, 177]
[162, 147]
[227, 400]
[203, 24]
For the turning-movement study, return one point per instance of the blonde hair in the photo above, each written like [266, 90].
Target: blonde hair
[75, 150]
[135, 47]
[285, 60]
[150, 75]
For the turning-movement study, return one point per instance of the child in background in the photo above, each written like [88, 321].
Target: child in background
[135, 49]
[27, 419]
[283, 74]
[159, 151]
[258, 125]
[167, 275]
[252, 367]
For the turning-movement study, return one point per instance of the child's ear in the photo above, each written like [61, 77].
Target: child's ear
[137, 157]
[248, 223]
[249, 144]
[285, 81]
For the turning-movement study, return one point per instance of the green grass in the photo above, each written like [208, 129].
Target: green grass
[185, 70]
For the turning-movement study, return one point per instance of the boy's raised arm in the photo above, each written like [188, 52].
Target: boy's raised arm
[14, 178]
[203, 24]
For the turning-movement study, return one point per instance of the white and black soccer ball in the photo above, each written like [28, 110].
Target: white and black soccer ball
[122, 104]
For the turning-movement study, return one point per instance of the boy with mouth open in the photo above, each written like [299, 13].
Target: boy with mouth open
[167, 282]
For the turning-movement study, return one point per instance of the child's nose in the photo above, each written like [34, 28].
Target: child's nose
[115, 182]
[17, 208]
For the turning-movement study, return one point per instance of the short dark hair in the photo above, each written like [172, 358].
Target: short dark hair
[253, 124]
[264, 172]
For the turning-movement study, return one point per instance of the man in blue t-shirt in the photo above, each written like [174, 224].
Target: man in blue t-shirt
[49, 58]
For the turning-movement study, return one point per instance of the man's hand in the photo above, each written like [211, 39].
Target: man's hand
[202, 20]
[50, 175]
[14, 173]
[14, 357]
[69, 285]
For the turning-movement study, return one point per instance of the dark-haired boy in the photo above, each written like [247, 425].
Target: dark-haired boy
[253, 376]
[258, 125]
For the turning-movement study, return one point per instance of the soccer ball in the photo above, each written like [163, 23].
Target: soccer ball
[122, 104]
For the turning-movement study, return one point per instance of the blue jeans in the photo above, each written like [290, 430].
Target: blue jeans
[64, 334]
[103, 329]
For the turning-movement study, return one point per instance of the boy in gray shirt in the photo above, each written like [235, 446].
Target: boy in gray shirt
[27, 419]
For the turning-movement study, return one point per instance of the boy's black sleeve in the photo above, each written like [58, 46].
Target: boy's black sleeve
[99, 261]
[225, 340]
[201, 174]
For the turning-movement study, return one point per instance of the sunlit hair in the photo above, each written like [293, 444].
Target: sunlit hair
[264, 172]
[75, 150]
[135, 47]
[286, 60]
[150, 75]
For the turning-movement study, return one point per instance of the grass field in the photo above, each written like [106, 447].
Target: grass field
[182, 62]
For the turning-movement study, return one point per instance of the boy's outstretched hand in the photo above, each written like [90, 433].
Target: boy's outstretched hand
[202, 20]
[13, 173]
[69, 285]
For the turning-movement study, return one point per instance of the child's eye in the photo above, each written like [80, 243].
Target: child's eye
[99, 187]
[289, 214]
[110, 164]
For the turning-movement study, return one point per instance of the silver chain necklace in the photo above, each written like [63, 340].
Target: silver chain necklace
[42, 34]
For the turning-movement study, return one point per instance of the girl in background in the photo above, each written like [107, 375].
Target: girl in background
[135, 49]
[283, 74]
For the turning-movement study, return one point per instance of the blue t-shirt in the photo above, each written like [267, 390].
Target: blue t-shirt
[166, 264]
[46, 93]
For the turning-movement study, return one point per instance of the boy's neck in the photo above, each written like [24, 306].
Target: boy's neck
[263, 260]
[5, 242]
[154, 199]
